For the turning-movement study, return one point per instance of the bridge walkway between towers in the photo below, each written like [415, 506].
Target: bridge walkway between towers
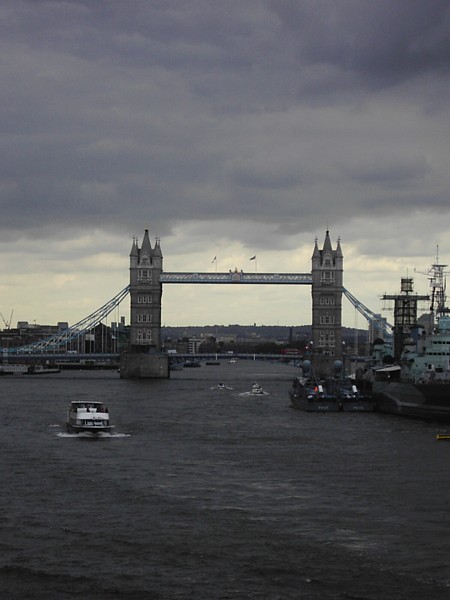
[238, 277]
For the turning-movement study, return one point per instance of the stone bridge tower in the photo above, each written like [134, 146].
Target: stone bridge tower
[327, 282]
[144, 358]
[145, 295]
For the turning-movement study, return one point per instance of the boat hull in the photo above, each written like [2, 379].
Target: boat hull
[87, 429]
[322, 406]
[366, 405]
[424, 401]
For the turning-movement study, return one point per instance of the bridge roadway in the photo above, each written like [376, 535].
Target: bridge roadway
[74, 358]
[238, 277]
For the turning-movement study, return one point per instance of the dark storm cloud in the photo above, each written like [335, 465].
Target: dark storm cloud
[382, 42]
[116, 112]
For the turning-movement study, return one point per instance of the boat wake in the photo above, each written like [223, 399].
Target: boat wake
[91, 436]
[256, 390]
[221, 386]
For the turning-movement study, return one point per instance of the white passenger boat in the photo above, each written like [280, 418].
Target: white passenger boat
[257, 390]
[90, 417]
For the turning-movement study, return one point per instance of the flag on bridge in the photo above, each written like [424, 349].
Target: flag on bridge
[214, 259]
[253, 257]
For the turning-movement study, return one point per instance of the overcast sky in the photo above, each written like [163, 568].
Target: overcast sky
[228, 128]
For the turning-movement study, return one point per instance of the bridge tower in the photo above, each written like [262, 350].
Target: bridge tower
[145, 295]
[144, 358]
[327, 283]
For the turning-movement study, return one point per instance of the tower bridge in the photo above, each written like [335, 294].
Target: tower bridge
[147, 277]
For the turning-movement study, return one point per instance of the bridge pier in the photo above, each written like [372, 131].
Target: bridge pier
[137, 365]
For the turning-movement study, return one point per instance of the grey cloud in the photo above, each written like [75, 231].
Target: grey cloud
[178, 111]
[381, 42]
[390, 171]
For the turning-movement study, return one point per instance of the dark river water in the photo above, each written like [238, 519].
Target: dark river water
[211, 494]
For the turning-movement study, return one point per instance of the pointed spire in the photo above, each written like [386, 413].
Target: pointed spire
[146, 247]
[157, 250]
[327, 242]
[134, 247]
[316, 252]
[338, 249]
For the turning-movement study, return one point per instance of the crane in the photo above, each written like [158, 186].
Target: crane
[373, 318]
[7, 323]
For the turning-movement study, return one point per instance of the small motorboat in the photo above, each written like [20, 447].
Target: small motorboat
[221, 386]
[88, 417]
[257, 390]
[192, 364]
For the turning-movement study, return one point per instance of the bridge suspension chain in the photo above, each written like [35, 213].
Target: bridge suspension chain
[75, 331]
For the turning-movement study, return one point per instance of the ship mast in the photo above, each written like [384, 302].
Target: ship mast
[438, 286]
[405, 313]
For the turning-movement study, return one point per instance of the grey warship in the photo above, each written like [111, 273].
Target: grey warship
[415, 380]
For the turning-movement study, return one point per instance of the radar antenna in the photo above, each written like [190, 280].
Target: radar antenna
[437, 277]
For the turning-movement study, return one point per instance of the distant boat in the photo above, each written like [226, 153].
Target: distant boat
[221, 386]
[41, 370]
[88, 417]
[311, 396]
[12, 369]
[175, 365]
[257, 390]
[18, 369]
[192, 363]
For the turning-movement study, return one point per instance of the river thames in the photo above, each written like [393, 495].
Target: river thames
[209, 494]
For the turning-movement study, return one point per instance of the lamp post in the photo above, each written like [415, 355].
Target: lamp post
[343, 359]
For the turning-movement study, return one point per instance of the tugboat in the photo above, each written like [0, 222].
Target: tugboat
[88, 417]
[415, 382]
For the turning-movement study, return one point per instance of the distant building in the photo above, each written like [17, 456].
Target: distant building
[194, 345]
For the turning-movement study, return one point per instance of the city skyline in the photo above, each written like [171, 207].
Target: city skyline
[237, 134]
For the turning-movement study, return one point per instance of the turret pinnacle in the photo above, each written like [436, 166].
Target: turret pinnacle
[146, 247]
[316, 252]
[157, 250]
[134, 248]
[327, 242]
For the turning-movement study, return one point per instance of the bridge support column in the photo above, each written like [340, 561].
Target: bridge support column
[144, 359]
[137, 365]
[326, 291]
